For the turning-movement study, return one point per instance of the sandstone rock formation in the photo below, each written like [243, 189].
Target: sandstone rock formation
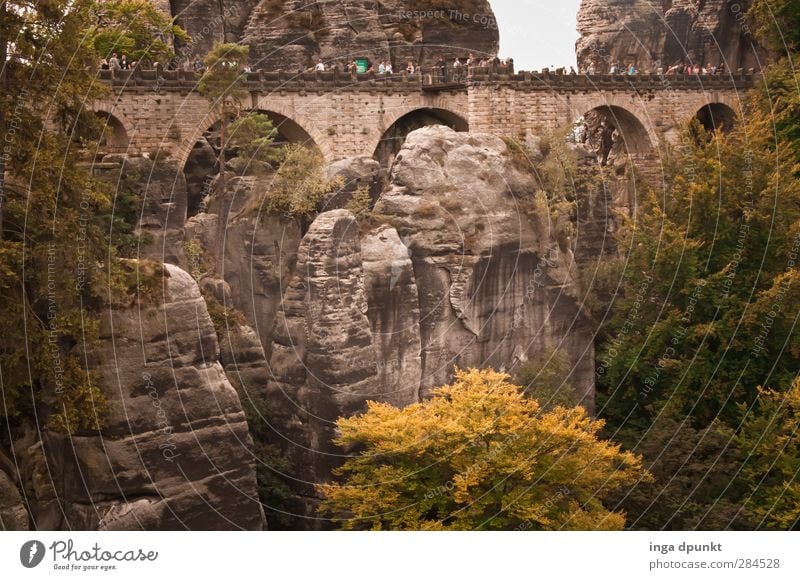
[175, 452]
[494, 285]
[13, 515]
[354, 173]
[292, 34]
[457, 275]
[323, 355]
[653, 34]
[160, 186]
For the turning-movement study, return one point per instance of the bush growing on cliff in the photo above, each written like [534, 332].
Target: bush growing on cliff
[299, 182]
[478, 455]
[546, 378]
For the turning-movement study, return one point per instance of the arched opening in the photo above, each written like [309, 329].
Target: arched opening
[113, 136]
[613, 132]
[716, 117]
[392, 140]
[289, 131]
[101, 131]
[202, 163]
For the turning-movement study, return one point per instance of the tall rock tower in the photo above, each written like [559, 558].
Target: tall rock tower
[653, 33]
[293, 34]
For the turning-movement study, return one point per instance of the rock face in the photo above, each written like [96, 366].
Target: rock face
[292, 34]
[494, 285]
[163, 199]
[458, 276]
[175, 452]
[13, 515]
[653, 34]
[323, 355]
[354, 173]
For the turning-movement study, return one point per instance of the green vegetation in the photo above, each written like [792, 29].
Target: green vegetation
[546, 378]
[478, 455]
[254, 135]
[135, 28]
[360, 204]
[61, 237]
[698, 366]
[299, 182]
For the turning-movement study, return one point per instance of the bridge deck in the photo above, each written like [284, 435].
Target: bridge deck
[433, 81]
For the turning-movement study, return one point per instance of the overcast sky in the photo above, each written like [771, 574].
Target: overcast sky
[537, 33]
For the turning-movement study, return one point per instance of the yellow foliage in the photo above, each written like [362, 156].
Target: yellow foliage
[478, 455]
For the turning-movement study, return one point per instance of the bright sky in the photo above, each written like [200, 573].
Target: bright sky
[537, 33]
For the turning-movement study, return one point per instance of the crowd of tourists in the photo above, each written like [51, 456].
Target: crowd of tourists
[117, 63]
[680, 68]
[456, 69]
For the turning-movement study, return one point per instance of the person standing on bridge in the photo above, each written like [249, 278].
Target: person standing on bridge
[441, 67]
[457, 68]
[320, 66]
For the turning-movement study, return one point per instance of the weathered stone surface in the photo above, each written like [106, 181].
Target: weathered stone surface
[354, 173]
[175, 452]
[210, 21]
[161, 188]
[199, 171]
[494, 286]
[393, 301]
[653, 34]
[323, 358]
[291, 34]
[13, 515]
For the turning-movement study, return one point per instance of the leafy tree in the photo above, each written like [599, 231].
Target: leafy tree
[777, 24]
[694, 483]
[254, 134]
[44, 319]
[478, 455]
[136, 28]
[58, 246]
[708, 263]
[708, 312]
[770, 439]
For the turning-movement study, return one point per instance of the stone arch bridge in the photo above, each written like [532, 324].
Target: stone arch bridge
[346, 116]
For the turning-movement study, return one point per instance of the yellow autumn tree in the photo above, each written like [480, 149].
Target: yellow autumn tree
[478, 455]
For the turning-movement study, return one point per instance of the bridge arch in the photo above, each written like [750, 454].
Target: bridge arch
[114, 136]
[289, 130]
[716, 116]
[612, 129]
[392, 139]
[200, 162]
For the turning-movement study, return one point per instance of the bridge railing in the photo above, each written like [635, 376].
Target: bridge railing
[548, 80]
[426, 79]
